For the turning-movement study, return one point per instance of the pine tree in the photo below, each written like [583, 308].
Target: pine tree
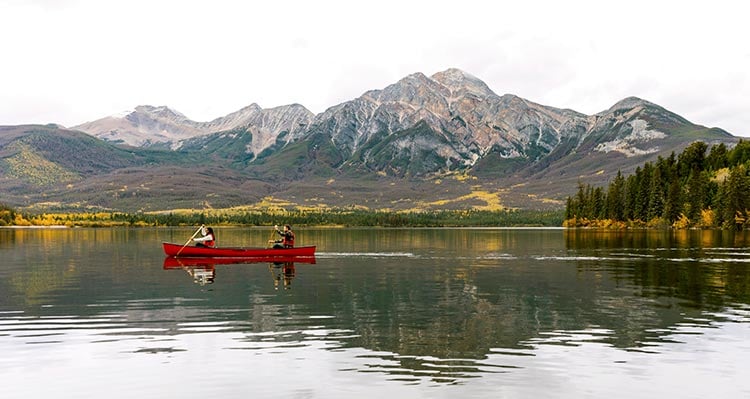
[720, 205]
[673, 201]
[616, 198]
[736, 192]
[644, 189]
[597, 203]
[740, 154]
[656, 195]
[692, 159]
[695, 194]
[569, 209]
[580, 201]
[717, 157]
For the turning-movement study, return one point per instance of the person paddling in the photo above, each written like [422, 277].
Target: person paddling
[208, 240]
[287, 237]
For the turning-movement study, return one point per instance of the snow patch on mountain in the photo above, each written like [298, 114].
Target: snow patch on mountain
[639, 134]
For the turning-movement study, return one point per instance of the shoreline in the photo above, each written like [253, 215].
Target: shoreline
[56, 226]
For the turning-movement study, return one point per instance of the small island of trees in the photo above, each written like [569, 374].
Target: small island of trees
[699, 188]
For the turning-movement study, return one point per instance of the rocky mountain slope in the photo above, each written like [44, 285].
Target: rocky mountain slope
[445, 141]
[162, 127]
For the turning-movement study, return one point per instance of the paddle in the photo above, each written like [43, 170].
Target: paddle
[188, 241]
[270, 239]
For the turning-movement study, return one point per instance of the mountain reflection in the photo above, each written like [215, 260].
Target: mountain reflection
[637, 288]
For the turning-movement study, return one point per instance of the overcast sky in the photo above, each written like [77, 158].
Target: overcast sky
[73, 61]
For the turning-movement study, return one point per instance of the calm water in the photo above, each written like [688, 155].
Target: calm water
[501, 313]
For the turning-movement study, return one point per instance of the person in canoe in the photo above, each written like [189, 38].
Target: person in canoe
[208, 240]
[287, 237]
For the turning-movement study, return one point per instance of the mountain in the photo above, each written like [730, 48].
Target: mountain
[461, 121]
[65, 169]
[423, 127]
[444, 141]
[143, 127]
[162, 127]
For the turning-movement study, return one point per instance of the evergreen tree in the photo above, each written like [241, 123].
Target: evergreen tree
[597, 203]
[656, 195]
[631, 195]
[736, 192]
[740, 154]
[720, 205]
[673, 201]
[717, 157]
[668, 166]
[644, 189]
[695, 194]
[569, 214]
[580, 200]
[692, 159]
[616, 198]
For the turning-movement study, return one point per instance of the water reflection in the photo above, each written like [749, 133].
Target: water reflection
[678, 240]
[283, 273]
[203, 270]
[703, 269]
[478, 308]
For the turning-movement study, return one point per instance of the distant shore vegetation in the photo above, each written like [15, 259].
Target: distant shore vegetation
[699, 188]
[323, 218]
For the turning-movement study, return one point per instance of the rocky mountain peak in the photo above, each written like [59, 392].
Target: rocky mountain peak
[160, 112]
[634, 107]
[629, 103]
[237, 117]
[254, 107]
[460, 82]
[414, 87]
[161, 126]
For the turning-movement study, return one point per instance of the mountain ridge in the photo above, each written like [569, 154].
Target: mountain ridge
[422, 141]
[392, 108]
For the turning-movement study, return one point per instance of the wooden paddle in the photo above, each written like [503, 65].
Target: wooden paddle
[188, 241]
[270, 239]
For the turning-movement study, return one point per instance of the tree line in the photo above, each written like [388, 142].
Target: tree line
[331, 217]
[700, 187]
[7, 215]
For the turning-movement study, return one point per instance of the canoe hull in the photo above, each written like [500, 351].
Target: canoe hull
[178, 250]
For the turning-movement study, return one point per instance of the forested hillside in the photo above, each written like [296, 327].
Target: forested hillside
[700, 187]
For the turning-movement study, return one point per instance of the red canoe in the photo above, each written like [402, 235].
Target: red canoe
[229, 252]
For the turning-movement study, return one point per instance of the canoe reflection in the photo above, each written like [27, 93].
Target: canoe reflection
[203, 270]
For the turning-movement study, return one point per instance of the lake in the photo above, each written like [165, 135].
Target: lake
[432, 313]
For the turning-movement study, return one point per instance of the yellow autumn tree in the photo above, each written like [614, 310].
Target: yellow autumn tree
[682, 222]
[708, 218]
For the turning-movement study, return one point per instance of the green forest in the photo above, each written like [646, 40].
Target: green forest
[701, 187]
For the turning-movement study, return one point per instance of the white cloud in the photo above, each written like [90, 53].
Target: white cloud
[73, 61]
